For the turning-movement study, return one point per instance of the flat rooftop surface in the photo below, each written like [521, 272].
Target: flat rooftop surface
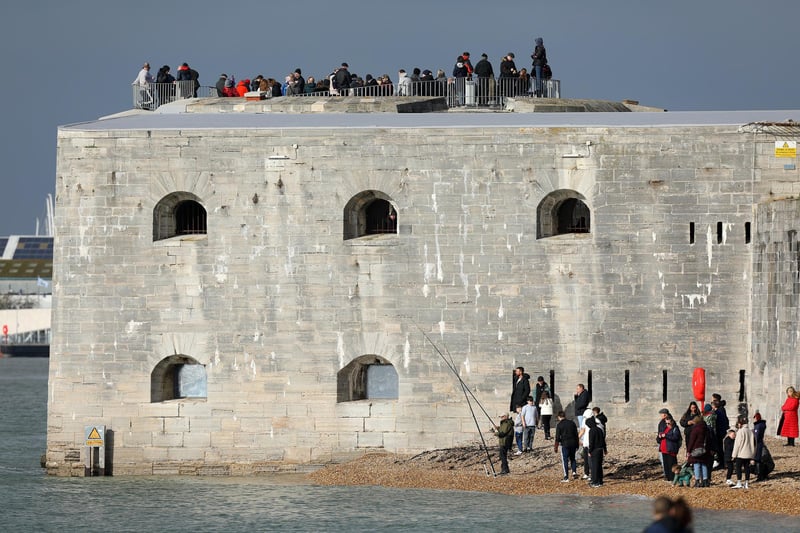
[146, 120]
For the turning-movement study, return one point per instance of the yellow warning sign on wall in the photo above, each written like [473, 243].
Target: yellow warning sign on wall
[94, 435]
[786, 149]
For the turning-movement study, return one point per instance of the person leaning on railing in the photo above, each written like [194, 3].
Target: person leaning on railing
[144, 98]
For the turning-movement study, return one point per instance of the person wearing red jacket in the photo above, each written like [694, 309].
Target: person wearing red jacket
[788, 424]
[243, 87]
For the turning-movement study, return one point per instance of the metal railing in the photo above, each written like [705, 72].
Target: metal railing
[458, 92]
[152, 95]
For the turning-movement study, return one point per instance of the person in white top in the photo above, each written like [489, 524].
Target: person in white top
[744, 449]
[546, 412]
[583, 434]
[144, 78]
[403, 84]
[142, 94]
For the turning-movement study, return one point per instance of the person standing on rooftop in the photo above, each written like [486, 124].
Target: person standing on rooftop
[539, 57]
[144, 77]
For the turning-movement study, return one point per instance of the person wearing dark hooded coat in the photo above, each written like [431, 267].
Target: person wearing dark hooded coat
[521, 388]
[539, 57]
[166, 88]
[597, 449]
[699, 439]
[759, 430]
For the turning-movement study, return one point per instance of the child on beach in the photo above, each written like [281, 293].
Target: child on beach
[683, 475]
[727, 447]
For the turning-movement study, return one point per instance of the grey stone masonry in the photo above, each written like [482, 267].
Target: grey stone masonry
[603, 254]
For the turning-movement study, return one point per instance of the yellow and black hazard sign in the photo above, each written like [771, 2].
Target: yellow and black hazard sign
[95, 435]
[786, 149]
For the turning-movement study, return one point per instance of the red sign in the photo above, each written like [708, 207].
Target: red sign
[5, 329]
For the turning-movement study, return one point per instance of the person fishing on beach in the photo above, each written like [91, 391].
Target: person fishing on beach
[505, 437]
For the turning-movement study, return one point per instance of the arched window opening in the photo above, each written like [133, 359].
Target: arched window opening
[369, 213]
[365, 378]
[177, 377]
[179, 213]
[562, 212]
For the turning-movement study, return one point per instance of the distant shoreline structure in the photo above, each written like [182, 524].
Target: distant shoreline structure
[26, 269]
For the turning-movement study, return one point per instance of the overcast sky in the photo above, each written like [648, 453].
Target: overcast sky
[69, 61]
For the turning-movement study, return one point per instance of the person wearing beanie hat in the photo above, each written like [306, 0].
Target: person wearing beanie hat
[505, 437]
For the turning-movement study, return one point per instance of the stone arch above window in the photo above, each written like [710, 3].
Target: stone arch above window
[179, 213]
[562, 211]
[176, 377]
[369, 213]
[365, 378]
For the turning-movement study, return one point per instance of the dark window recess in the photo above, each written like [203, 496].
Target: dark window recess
[664, 386]
[552, 383]
[190, 218]
[747, 237]
[691, 232]
[791, 238]
[573, 217]
[719, 232]
[381, 217]
[741, 385]
[627, 386]
[589, 383]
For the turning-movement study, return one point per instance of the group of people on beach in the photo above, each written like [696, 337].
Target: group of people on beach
[532, 411]
[711, 440]
[341, 81]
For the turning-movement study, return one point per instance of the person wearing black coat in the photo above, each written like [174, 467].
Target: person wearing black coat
[582, 399]
[567, 437]
[342, 80]
[759, 430]
[597, 449]
[508, 76]
[521, 388]
[485, 74]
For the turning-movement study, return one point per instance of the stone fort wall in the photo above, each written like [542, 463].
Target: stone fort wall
[273, 303]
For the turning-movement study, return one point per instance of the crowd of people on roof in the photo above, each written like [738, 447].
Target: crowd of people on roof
[341, 81]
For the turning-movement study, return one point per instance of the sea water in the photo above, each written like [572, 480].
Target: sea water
[32, 501]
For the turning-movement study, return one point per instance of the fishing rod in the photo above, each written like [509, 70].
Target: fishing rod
[451, 365]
